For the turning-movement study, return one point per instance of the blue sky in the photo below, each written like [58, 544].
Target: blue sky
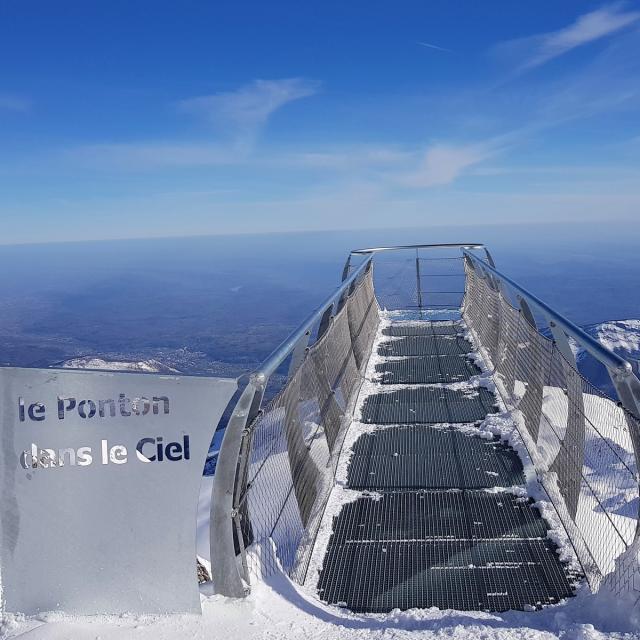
[144, 119]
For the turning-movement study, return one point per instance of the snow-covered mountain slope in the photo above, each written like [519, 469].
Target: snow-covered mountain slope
[143, 366]
[623, 338]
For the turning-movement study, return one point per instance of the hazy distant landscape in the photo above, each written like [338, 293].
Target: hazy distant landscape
[219, 305]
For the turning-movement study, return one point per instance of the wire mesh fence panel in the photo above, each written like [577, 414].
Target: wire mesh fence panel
[420, 279]
[440, 299]
[580, 439]
[594, 463]
[507, 351]
[481, 308]
[436, 268]
[396, 284]
[290, 451]
[363, 313]
[532, 369]
[568, 461]
[441, 282]
[312, 409]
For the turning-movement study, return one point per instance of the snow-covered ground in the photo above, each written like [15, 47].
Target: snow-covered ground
[279, 609]
[621, 337]
[609, 471]
[90, 362]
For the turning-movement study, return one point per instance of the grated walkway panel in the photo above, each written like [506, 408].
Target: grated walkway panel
[423, 457]
[425, 346]
[438, 515]
[428, 405]
[382, 576]
[426, 370]
[423, 329]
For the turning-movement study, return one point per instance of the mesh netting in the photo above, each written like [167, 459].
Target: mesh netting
[290, 451]
[579, 439]
[419, 281]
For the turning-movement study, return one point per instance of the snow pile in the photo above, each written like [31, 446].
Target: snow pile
[278, 610]
[143, 366]
[621, 336]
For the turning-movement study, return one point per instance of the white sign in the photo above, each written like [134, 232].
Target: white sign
[99, 480]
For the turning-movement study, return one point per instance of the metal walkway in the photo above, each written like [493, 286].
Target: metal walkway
[440, 516]
[434, 528]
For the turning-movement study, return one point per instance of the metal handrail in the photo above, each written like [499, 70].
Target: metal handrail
[458, 245]
[227, 574]
[373, 250]
[607, 357]
[279, 355]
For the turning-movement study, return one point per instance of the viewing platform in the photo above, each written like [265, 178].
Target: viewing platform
[432, 447]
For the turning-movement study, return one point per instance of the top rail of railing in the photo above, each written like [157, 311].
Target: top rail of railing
[371, 251]
[456, 245]
[610, 359]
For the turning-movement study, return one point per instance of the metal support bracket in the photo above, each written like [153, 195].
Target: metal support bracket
[298, 354]
[572, 451]
[418, 283]
[225, 571]
[627, 386]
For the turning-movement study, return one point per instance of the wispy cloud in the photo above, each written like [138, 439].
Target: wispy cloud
[442, 164]
[151, 155]
[247, 109]
[538, 49]
[351, 158]
[428, 45]
[237, 116]
[11, 102]
[609, 83]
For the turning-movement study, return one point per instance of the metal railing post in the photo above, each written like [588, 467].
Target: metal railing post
[325, 321]
[225, 572]
[572, 449]
[489, 257]
[299, 352]
[627, 387]
[526, 312]
[560, 338]
[347, 268]
[418, 283]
